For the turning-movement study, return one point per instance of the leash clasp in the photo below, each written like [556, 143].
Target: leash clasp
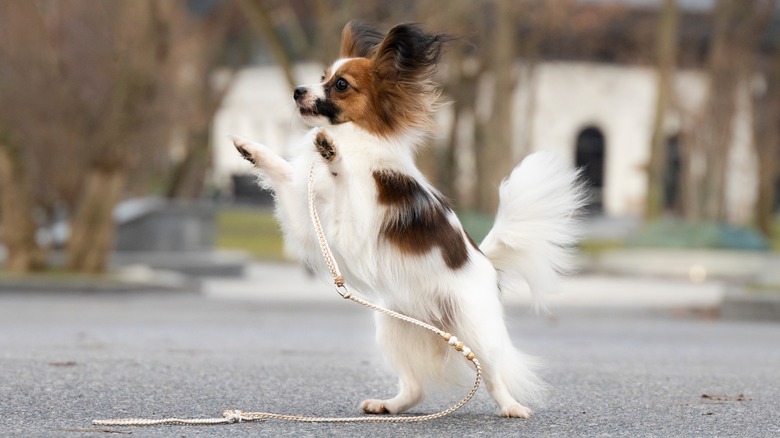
[341, 289]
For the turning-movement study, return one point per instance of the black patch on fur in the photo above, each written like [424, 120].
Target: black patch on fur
[324, 107]
[410, 54]
[244, 153]
[417, 219]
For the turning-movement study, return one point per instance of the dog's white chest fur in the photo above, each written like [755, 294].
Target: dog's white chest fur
[366, 231]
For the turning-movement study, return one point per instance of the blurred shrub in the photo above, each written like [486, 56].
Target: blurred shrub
[675, 233]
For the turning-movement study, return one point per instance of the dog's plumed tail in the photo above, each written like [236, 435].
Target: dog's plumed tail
[534, 231]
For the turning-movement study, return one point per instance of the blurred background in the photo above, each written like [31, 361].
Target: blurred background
[114, 119]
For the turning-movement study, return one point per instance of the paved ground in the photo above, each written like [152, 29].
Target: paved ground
[66, 359]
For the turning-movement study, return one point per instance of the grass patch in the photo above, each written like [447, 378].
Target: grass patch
[251, 230]
[775, 242]
[763, 289]
[476, 224]
[257, 232]
[597, 246]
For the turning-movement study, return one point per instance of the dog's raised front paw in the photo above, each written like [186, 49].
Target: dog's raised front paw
[245, 148]
[325, 146]
[374, 407]
[515, 411]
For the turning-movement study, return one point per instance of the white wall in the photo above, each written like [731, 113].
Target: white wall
[259, 106]
[569, 96]
[618, 101]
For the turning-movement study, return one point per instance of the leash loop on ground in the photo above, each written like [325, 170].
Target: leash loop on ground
[239, 416]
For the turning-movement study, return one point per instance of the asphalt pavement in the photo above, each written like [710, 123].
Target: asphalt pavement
[69, 358]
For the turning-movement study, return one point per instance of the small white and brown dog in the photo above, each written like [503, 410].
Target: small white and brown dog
[396, 238]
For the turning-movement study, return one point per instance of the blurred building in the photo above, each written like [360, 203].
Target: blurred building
[599, 115]
[259, 106]
[591, 96]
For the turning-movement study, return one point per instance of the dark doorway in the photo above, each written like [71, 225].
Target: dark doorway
[590, 154]
[672, 186]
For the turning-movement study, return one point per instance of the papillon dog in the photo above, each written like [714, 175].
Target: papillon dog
[397, 239]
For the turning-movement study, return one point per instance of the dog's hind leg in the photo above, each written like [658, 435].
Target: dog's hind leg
[408, 351]
[509, 375]
[508, 406]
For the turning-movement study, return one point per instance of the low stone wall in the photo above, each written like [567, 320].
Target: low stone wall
[696, 265]
[153, 224]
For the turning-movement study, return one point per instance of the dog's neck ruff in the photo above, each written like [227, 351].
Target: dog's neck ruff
[239, 416]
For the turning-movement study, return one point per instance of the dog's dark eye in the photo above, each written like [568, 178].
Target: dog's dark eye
[341, 84]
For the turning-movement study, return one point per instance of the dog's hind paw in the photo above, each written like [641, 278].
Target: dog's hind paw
[515, 410]
[374, 407]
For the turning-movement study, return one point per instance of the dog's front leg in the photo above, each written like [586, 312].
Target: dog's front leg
[278, 170]
[279, 176]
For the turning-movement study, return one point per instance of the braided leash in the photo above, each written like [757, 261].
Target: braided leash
[238, 416]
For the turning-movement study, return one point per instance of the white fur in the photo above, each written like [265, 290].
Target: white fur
[533, 222]
[534, 229]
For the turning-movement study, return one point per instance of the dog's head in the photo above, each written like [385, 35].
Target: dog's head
[381, 83]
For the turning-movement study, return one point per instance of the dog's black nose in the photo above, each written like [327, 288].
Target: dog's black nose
[298, 93]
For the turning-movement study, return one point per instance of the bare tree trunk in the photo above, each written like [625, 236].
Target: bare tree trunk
[529, 108]
[690, 177]
[667, 52]
[188, 176]
[92, 230]
[263, 23]
[325, 48]
[711, 138]
[459, 90]
[26, 61]
[462, 91]
[16, 213]
[766, 130]
[544, 16]
[767, 142]
[716, 132]
[133, 93]
[494, 155]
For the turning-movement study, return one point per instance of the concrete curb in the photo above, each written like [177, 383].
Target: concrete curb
[739, 304]
[191, 263]
[696, 265]
[130, 279]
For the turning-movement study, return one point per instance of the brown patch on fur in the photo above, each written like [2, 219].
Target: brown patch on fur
[325, 146]
[417, 220]
[357, 103]
[390, 88]
[404, 65]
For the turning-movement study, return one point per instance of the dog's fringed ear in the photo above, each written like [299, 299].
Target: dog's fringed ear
[408, 54]
[359, 40]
